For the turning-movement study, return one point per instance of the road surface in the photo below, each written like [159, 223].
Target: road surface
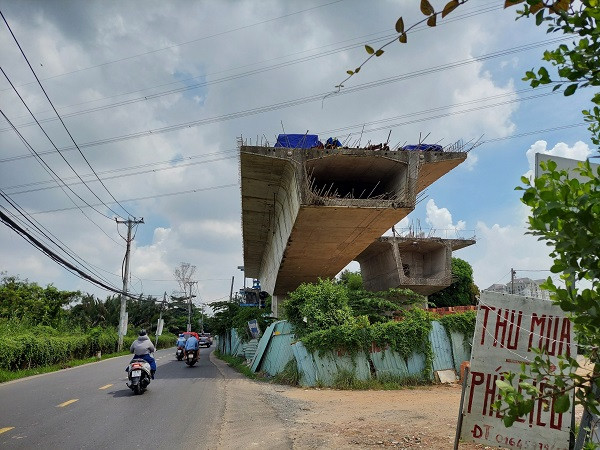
[208, 406]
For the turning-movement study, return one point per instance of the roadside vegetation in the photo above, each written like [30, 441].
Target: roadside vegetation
[46, 329]
[340, 316]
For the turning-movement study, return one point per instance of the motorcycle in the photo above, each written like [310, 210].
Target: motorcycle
[179, 353]
[139, 375]
[191, 357]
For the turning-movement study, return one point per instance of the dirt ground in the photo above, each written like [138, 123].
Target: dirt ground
[423, 417]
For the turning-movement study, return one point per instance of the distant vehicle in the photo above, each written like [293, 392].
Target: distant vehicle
[205, 340]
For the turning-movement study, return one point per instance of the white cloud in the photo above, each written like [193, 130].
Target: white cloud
[440, 218]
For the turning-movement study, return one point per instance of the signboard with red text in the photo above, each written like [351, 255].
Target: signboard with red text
[508, 328]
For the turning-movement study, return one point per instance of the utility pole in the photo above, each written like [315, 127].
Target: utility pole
[231, 290]
[160, 316]
[122, 325]
[513, 272]
[189, 324]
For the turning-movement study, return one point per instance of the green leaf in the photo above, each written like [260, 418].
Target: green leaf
[369, 49]
[400, 25]
[562, 404]
[426, 8]
[450, 6]
[349, 72]
[503, 385]
[402, 38]
[357, 70]
[508, 421]
[539, 17]
[379, 52]
[431, 21]
[570, 90]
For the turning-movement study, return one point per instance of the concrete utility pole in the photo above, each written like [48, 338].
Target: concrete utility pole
[130, 224]
[513, 272]
[189, 324]
[160, 316]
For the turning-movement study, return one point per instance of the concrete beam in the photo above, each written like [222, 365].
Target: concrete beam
[306, 213]
[421, 264]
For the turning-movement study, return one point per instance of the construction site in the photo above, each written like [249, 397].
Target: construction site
[309, 210]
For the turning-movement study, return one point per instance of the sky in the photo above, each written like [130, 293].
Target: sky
[156, 95]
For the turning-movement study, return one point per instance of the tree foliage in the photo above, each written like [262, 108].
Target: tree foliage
[462, 291]
[565, 214]
[22, 299]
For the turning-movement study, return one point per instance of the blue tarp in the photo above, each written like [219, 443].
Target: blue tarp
[297, 141]
[424, 147]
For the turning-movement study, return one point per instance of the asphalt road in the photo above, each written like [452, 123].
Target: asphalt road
[91, 407]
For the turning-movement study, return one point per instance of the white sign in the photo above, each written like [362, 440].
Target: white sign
[508, 328]
[159, 327]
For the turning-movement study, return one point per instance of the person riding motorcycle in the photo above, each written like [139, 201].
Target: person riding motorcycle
[141, 348]
[181, 341]
[192, 343]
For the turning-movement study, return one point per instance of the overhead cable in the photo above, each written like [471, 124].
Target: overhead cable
[57, 258]
[59, 117]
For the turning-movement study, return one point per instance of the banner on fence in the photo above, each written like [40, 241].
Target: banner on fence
[508, 328]
[159, 327]
[254, 328]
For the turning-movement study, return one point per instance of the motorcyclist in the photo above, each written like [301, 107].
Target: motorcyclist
[181, 341]
[142, 348]
[192, 343]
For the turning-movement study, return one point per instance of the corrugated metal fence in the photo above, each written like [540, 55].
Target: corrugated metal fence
[277, 347]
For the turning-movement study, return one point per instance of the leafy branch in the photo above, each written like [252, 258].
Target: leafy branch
[544, 384]
[430, 19]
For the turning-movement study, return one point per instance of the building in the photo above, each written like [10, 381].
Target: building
[522, 286]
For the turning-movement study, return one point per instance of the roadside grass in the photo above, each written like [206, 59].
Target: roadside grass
[238, 363]
[9, 375]
[346, 380]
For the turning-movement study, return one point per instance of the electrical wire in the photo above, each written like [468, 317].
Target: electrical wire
[54, 145]
[185, 43]
[52, 173]
[48, 235]
[150, 197]
[59, 117]
[57, 258]
[322, 95]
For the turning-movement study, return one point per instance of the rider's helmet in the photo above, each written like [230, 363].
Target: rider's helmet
[181, 335]
[142, 332]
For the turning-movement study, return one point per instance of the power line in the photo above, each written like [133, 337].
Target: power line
[263, 69]
[50, 171]
[57, 258]
[47, 234]
[190, 191]
[299, 101]
[188, 42]
[59, 117]
[253, 72]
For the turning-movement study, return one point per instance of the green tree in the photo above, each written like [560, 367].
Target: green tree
[317, 306]
[352, 280]
[25, 300]
[462, 291]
